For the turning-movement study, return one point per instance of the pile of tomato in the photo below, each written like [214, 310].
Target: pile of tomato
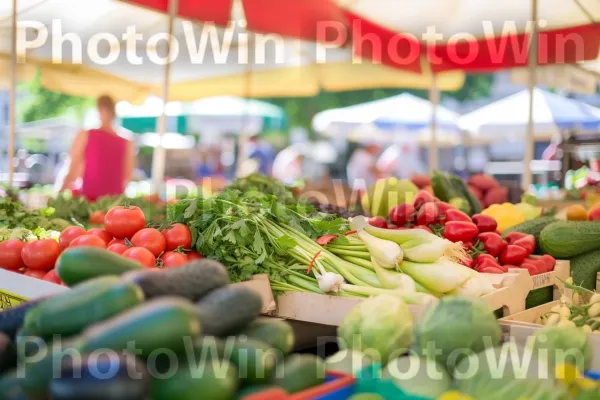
[488, 251]
[124, 232]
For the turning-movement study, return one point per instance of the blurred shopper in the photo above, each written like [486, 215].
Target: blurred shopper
[262, 153]
[287, 167]
[362, 169]
[101, 157]
[401, 161]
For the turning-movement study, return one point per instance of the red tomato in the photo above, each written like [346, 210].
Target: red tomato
[173, 259]
[41, 254]
[150, 239]
[67, 236]
[124, 222]
[141, 255]
[178, 235]
[52, 276]
[115, 241]
[10, 255]
[88, 241]
[194, 255]
[118, 248]
[97, 217]
[35, 273]
[102, 234]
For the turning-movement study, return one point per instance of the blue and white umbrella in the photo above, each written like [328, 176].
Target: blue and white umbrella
[404, 116]
[552, 114]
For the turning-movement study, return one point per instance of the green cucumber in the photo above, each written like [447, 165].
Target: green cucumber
[255, 389]
[11, 387]
[255, 360]
[120, 377]
[532, 227]
[227, 310]
[8, 354]
[79, 264]
[90, 302]
[299, 372]
[12, 319]
[585, 268]
[442, 188]
[461, 187]
[274, 332]
[566, 239]
[539, 296]
[191, 281]
[165, 323]
[210, 383]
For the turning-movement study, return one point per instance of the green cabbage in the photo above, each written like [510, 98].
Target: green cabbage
[509, 371]
[380, 327]
[455, 328]
[418, 376]
[348, 362]
[563, 344]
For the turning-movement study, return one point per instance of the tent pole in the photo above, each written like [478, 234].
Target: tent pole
[434, 98]
[12, 101]
[159, 155]
[533, 59]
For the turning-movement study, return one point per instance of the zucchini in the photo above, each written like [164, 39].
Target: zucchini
[11, 387]
[165, 323]
[442, 188]
[274, 332]
[191, 281]
[209, 383]
[8, 354]
[79, 264]
[299, 372]
[566, 239]
[90, 302]
[532, 227]
[12, 319]
[101, 378]
[254, 360]
[463, 190]
[539, 296]
[584, 269]
[256, 389]
[227, 310]
[29, 345]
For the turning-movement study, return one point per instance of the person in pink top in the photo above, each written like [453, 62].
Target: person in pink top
[103, 159]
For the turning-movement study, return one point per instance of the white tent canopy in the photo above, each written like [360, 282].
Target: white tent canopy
[404, 116]
[552, 114]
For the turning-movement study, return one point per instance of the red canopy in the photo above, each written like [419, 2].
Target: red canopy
[293, 18]
[395, 49]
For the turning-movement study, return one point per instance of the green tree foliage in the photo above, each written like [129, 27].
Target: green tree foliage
[300, 111]
[41, 103]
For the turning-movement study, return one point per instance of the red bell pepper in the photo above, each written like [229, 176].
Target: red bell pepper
[485, 223]
[378, 222]
[522, 240]
[549, 261]
[453, 214]
[514, 255]
[422, 197]
[486, 260]
[532, 268]
[443, 207]
[492, 243]
[467, 245]
[460, 231]
[490, 270]
[326, 239]
[428, 214]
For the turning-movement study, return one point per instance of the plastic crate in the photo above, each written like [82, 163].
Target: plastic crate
[337, 386]
[593, 375]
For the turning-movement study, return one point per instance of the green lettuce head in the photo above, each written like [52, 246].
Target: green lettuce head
[380, 327]
[563, 345]
[455, 328]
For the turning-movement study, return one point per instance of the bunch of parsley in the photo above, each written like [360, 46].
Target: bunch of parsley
[241, 230]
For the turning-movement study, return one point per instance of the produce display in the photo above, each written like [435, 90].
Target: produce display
[391, 354]
[210, 326]
[418, 256]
